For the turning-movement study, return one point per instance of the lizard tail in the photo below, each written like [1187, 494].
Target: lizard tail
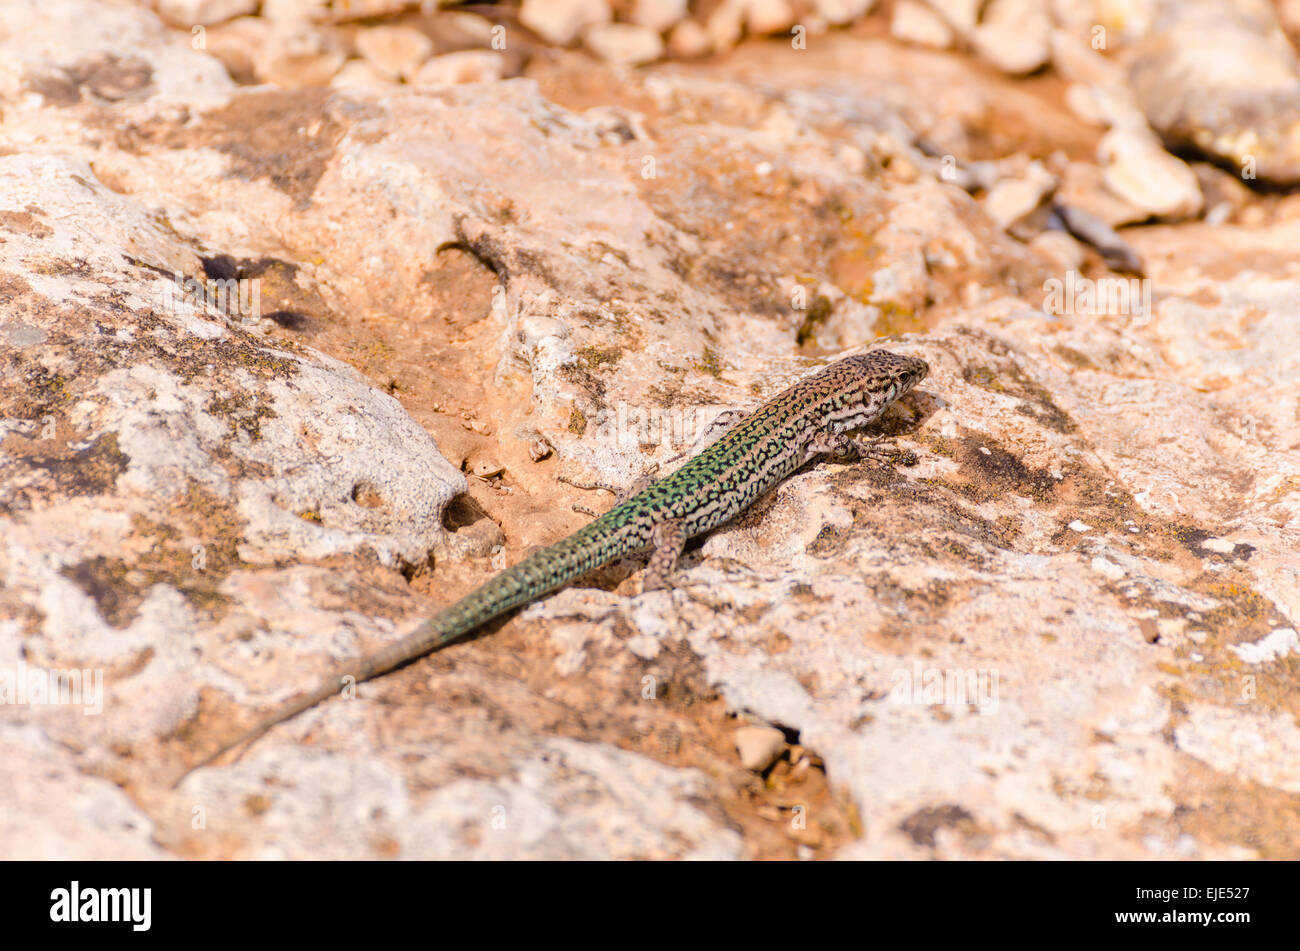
[534, 576]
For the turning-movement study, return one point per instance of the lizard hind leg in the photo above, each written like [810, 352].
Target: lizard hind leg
[668, 538]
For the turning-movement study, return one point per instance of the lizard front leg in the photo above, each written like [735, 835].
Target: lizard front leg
[848, 448]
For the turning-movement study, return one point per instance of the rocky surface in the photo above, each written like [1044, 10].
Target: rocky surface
[283, 368]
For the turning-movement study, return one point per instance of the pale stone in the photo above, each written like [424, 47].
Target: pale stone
[726, 25]
[1013, 35]
[914, 22]
[394, 50]
[840, 12]
[187, 13]
[1137, 169]
[297, 56]
[238, 44]
[342, 10]
[688, 39]
[961, 15]
[464, 28]
[758, 746]
[359, 72]
[658, 15]
[563, 21]
[1065, 253]
[1083, 186]
[624, 43]
[465, 66]
[768, 16]
[1011, 199]
[295, 11]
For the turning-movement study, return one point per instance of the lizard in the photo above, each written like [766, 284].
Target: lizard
[814, 417]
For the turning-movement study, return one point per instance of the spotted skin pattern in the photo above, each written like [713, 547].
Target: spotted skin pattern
[752, 457]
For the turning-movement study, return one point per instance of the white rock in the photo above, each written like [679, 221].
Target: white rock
[839, 12]
[768, 16]
[1251, 743]
[688, 39]
[358, 72]
[624, 43]
[295, 11]
[1011, 199]
[238, 44]
[188, 13]
[961, 15]
[658, 15]
[296, 56]
[465, 66]
[1138, 169]
[1221, 545]
[759, 746]
[1013, 35]
[562, 21]
[914, 22]
[1066, 254]
[1076, 60]
[1274, 646]
[394, 50]
[725, 25]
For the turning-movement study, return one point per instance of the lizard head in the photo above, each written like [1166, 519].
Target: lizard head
[884, 376]
[867, 383]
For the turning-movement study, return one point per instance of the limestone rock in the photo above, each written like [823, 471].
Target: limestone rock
[396, 51]
[563, 21]
[466, 66]
[624, 43]
[915, 22]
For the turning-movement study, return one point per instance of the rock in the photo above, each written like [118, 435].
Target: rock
[1065, 253]
[456, 30]
[1012, 199]
[394, 50]
[1138, 170]
[467, 66]
[914, 22]
[1013, 35]
[1224, 194]
[562, 21]
[840, 12]
[688, 40]
[1078, 62]
[359, 72]
[294, 56]
[658, 15]
[725, 25]
[1223, 80]
[344, 10]
[188, 13]
[624, 43]
[1118, 254]
[1083, 186]
[759, 746]
[296, 11]
[961, 15]
[238, 46]
[768, 16]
